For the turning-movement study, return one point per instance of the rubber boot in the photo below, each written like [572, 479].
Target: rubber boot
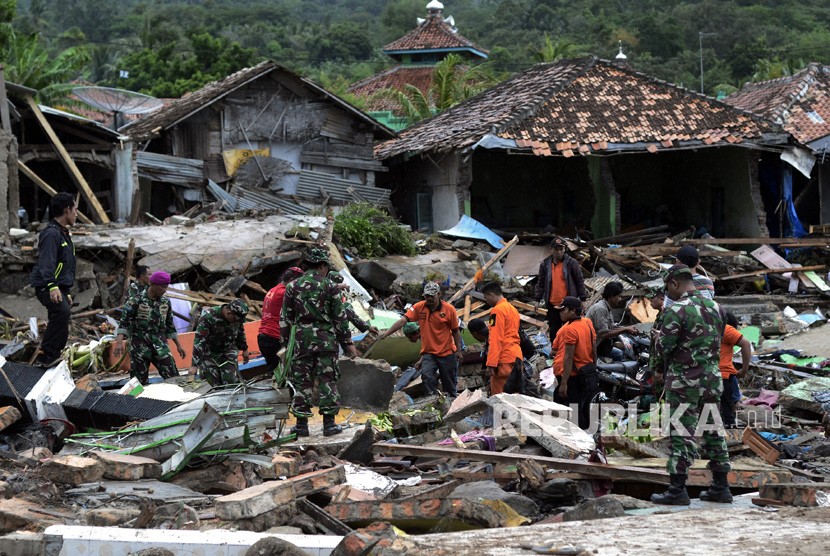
[719, 491]
[301, 428]
[676, 495]
[329, 427]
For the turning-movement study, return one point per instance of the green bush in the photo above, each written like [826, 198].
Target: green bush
[371, 232]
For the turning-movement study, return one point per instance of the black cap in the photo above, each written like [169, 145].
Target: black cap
[570, 302]
[688, 255]
[558, 241]
[678, 272]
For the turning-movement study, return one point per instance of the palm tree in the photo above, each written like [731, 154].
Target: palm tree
[29, 63]
[553, 51]
[452, 82]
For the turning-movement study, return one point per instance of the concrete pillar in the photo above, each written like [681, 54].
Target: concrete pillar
[606, 219]
[9, 183]
[824, 192]
[126, 181]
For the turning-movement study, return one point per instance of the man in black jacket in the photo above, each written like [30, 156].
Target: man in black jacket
[560, 276]
[54, 274]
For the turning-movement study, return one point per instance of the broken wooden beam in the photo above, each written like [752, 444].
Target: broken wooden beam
[70, 165]
[489, 264]
[764, 271]
[48, 189]
[597, 470]
[803, 242]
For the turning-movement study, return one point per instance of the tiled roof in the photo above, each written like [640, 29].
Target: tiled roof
[800, 102]
[393, 78]
[578, 107]
[433, 34]
[182, 108]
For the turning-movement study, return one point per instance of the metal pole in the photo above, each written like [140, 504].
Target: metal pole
[700, 41]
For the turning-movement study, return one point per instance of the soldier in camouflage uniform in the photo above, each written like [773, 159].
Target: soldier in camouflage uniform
[220, 337]
[147, 320]
[313, 305]
[351, 316]
[141, 282]
[689, 343]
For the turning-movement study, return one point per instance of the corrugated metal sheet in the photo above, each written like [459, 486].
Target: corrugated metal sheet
[170, 169]
[339, 189]
[251, 199]
[222, 195]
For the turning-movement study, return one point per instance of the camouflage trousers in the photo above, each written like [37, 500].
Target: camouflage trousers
[308, 368]
[144, 351]
[693, 402]
[221, 368]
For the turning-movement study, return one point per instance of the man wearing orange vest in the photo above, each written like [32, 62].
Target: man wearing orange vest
[504, 352]
[574, 362]
[728, 373]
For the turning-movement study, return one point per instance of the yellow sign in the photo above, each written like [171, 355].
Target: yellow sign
[234, 158]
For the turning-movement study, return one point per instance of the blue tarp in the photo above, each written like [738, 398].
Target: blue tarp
[473, 229]
[793, 225]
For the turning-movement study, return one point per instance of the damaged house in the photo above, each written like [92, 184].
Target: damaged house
[263, 137]
[800, 103]
[585, 144]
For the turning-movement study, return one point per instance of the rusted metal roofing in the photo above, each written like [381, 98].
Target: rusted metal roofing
[433, 34]
[393, 78]
[800, 102]
[191, 103]
[579, 107]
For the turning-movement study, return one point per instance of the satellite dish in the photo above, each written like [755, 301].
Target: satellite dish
[117, 101]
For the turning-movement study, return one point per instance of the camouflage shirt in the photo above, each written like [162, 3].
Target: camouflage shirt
[215, 335]
[690, 335]
[314, 304]
[147, 318]
[135, 289]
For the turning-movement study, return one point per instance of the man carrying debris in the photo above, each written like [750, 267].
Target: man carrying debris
[440, 339]
[352, 317]
[141, 282]
[314, 306]
[574, 362]
[220, 336]
[689, 344]
[559, 277]
[687, 255]
[603, 321]
[54, 274]
[147, 320]
[269, 338]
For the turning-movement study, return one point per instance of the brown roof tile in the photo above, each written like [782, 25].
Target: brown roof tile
[432, 34]
[572, 103]
[392, 78]
[800, 102]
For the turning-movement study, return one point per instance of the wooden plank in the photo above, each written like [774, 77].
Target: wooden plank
[468, 303]
[528, 307]
[489, 264]
[38, 181]
[807, 241]
[600, 470]
[771, 271]
[128, 269]
[74, 172]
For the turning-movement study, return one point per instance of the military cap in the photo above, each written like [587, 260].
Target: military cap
[238, 308]
[432, 288]
[317, 255]
[411, 328]
[160, 278]
[336, 277]
[678, 272]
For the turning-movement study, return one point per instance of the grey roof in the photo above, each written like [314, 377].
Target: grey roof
[184, 107]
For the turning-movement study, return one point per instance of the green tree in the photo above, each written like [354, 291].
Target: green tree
[7, 11]
[554, 50]
[29, 63]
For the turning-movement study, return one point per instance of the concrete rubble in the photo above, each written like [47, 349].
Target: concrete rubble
[183, 466]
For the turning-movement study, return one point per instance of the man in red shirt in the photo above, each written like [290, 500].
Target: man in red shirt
[731, 391]
[440, 339]
[559, 276]
[504, 349]
[268, 339]
[573, 364]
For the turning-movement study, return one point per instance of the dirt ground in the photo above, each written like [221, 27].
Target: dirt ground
[702, 532]
[815, 341]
